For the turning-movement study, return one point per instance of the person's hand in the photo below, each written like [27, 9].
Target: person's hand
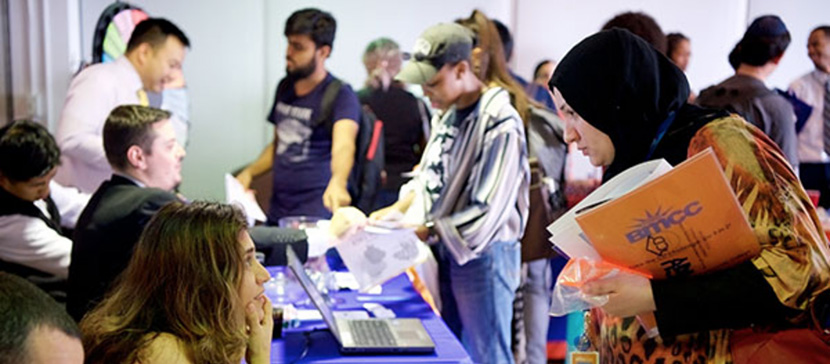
[336, 196]
[380, 214]
[422, 232]
[175, 79]
[245, 178]
[628, 294]
[345, 219]
[258, 317]
[399, 207]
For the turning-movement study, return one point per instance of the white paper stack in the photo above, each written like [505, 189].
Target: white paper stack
[235, 194]
[567, 236]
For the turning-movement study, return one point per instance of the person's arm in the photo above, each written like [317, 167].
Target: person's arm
[782, 117]
[30, 242]
[265, 161]
[345, 112]
[261, 165]
[81, 123]
[344, 134]
[423, 111]
[401, 205]
[495, 193]
[260, 322]
[730, 298]
[801, 87]
[69, 201]
[778, 282]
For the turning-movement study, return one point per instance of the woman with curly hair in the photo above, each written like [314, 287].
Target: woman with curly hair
[191, 293]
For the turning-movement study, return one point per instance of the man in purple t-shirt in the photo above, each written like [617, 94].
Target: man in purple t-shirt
[311, 161]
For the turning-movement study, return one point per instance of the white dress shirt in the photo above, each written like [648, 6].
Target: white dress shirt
[28, 241]
[92, 94]
[810, 89]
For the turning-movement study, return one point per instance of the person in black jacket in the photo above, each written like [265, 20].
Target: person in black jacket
[405, 117]
[625, 103]
[36, 213]
[141, 147]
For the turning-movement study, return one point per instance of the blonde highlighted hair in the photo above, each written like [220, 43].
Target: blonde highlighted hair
[183, 279]
[489, 63]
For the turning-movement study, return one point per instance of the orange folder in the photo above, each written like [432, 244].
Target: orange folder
[685, 222]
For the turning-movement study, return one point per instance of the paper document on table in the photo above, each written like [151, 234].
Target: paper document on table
[375, 254]
[235, 194]
[566, 234]
[319, 238]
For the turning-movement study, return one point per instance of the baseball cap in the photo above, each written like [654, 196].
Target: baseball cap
[766, 26]
[766, 37]
[438, 45]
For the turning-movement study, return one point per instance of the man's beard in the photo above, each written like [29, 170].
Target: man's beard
[302, 72]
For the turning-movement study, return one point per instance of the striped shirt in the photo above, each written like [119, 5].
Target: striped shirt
[486, 152]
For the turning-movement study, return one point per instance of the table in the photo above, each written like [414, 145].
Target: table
[399, 296]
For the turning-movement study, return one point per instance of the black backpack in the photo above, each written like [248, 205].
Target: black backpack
[365, 177]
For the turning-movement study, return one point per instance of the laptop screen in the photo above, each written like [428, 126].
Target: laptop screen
[311, 289]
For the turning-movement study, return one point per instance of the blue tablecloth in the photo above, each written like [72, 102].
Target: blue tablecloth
[399, 296]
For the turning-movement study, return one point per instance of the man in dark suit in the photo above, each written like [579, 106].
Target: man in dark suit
[141, 147]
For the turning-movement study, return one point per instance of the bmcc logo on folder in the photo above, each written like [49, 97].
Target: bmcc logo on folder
[685, 222]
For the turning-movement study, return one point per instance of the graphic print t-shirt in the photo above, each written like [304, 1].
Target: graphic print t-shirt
[302, 156]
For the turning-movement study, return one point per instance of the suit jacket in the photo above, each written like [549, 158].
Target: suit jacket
[105, 235]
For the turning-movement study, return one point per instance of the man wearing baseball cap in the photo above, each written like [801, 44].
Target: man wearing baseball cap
[470, 194]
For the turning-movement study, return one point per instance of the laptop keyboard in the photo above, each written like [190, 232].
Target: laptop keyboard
[371, 333]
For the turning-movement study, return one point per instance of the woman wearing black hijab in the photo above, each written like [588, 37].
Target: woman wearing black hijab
[625, 103]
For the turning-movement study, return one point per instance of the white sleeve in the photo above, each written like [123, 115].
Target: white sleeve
[800, 88]
[30, 242]
[89, 100]
[418, 209]
[70, 203]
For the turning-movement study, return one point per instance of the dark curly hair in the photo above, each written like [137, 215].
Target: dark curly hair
[27, 151]
[642, 25]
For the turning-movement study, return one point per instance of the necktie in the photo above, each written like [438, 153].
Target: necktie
[142, 100]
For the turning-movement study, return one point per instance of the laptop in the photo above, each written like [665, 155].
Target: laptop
[372, 335]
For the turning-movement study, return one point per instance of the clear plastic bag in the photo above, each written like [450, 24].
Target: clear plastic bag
[567, 296]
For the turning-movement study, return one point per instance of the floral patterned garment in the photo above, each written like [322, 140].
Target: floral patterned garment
[793, 258]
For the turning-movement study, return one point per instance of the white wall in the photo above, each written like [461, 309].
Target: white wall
[548, 29]
[225, 71]
[801, 17]
[238, 56]
[238, 51]
[361, 21]
[45, 49]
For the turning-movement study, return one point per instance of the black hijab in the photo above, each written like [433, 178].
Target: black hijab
[625, 88]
